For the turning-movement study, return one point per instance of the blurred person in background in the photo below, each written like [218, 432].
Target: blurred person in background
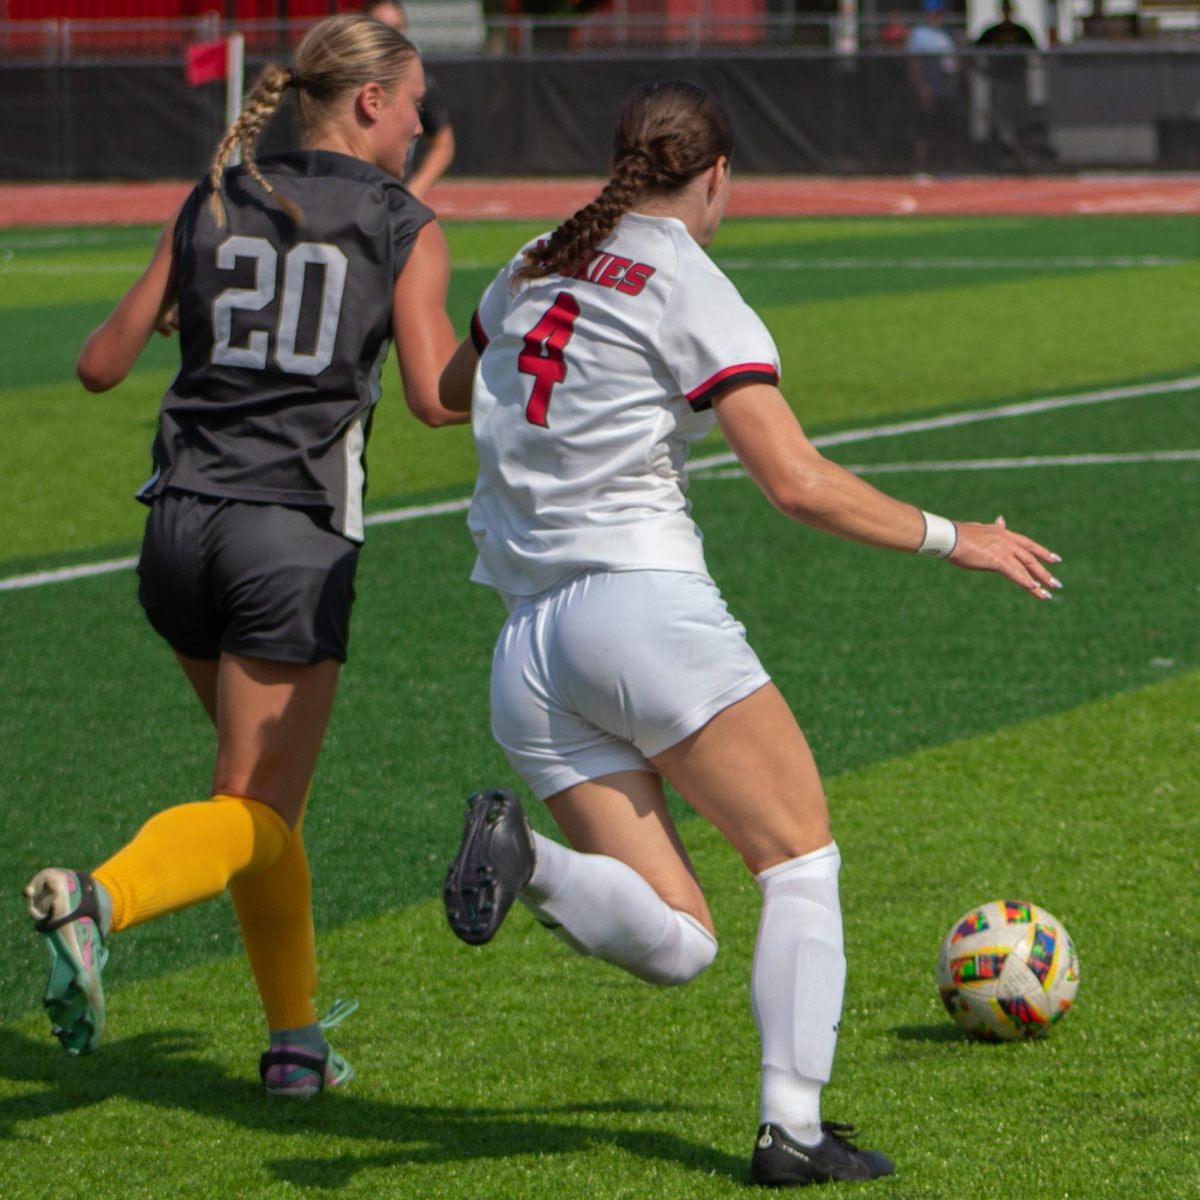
[892, 34]
[1008, 74]
[432, 156]
[933, 73]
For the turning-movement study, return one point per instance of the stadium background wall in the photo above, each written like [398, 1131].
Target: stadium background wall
[553, 116]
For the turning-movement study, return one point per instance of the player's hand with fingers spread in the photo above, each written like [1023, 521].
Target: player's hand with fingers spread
[995, 547]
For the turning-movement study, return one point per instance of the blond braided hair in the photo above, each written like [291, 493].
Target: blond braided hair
[667, 134]
[261, 105]
[338, 55]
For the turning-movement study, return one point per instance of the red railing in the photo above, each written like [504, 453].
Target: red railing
[126, 10]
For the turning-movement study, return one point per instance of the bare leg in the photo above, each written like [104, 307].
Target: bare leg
[271, 722]
[271, 719]
[274, 907]
[203, 674]
[750, 772]
[625, 816]
[627, 892]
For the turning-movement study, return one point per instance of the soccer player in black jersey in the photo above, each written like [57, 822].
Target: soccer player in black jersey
[291, 276]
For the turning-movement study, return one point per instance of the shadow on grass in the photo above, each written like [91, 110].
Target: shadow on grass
[167, 1069]
[944, 1031]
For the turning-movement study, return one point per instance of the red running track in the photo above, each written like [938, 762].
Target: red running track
[552, 199]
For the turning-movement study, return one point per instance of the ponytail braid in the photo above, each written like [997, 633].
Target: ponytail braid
[573, 242]
[667, 134]
[338, 55]
[261, 105]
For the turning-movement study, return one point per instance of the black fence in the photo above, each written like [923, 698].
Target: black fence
[1070, 109]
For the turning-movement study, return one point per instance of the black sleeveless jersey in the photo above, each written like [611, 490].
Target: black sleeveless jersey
[283, 333]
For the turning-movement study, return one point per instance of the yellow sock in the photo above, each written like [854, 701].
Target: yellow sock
[274, 909]
[190, 853]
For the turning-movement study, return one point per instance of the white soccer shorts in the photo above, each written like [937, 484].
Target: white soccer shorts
[610, 669]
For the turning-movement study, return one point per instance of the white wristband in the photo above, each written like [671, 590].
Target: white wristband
[941, 536]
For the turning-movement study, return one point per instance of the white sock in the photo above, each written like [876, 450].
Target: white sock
[796, 987]
[306, 1037]
[602, 907]
[104, 904]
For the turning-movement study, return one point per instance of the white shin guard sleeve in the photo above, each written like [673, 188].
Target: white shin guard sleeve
[796, 984]
[601, 907]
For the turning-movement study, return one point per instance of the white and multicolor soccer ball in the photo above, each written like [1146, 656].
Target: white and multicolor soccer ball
[1007, 970]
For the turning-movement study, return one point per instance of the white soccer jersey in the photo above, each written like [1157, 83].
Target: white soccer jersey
[589, 392]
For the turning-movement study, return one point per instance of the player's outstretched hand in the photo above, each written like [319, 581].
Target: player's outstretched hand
[997, 548]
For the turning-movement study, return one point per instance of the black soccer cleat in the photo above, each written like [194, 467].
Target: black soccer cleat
[781, 1162]
[495, 861]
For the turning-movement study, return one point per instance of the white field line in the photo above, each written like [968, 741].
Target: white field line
[65, 574]
[10, 265]
[994, 464]
[55, 241]
[417, 511]
[972, 416]
[1079, 263]
[712, 462]
[17, 582]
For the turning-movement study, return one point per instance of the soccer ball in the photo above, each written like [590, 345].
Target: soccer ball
[1007, 970]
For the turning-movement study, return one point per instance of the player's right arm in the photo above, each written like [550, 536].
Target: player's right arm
[112, 348]
[763, 432]
[422, 330]
[459, 377]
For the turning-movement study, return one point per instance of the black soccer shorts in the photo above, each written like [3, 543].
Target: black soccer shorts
[258, 580]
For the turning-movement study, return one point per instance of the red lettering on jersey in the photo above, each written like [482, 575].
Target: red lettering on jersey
[543, 354]
[635, 279]
[585, 267]
[614, 272]
[598, 265]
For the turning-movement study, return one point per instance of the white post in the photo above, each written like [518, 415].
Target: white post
[235, 58]
[1066, 21]
[846, 27]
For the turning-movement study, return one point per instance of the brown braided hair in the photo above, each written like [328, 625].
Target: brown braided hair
[667, 134]
[336, 56]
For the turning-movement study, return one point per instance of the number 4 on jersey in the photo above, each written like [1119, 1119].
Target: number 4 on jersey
[543, 354]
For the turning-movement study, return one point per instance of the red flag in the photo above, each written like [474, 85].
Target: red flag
[206, 62]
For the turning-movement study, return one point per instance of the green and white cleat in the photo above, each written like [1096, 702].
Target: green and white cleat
[64, 909]
[300, 1072]
[295, 1073]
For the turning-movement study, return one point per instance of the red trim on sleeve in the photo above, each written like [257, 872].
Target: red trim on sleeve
[703, 396]
[477, 334]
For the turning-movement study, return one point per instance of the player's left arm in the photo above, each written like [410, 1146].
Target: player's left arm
[421, 327]
[112, 348]
[438, 129]
[763, 432]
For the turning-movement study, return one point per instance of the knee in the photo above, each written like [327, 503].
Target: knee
[687, 950]
[798, 845]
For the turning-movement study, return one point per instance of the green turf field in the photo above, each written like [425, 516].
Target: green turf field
[976, 744]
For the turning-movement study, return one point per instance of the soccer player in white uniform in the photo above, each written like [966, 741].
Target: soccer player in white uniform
[596, 358]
